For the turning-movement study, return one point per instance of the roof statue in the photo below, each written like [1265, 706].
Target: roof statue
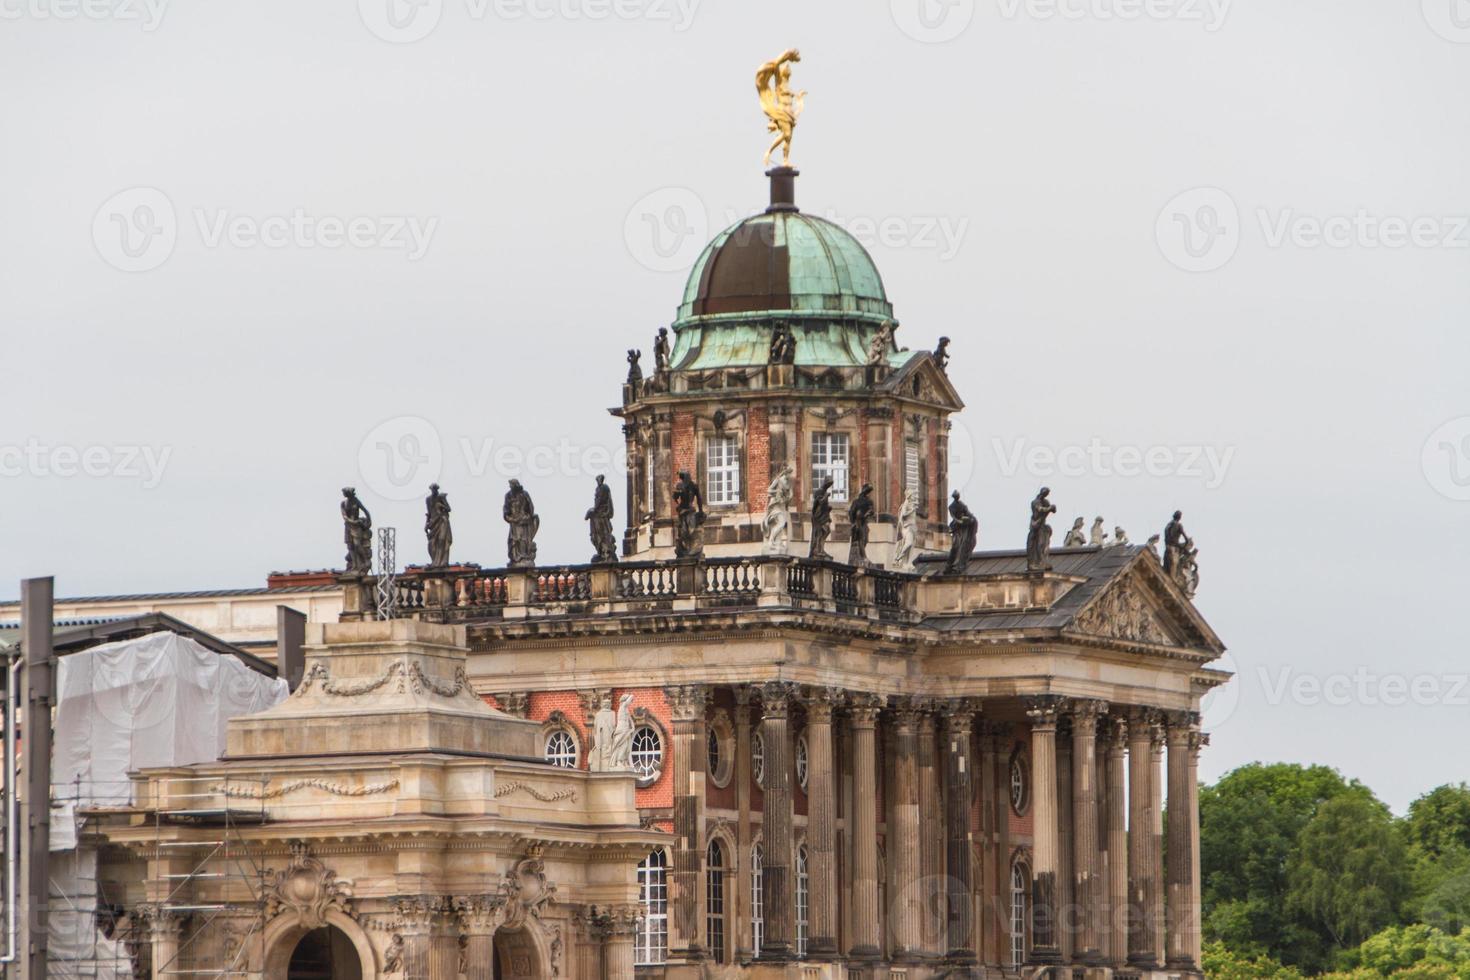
[781, 106]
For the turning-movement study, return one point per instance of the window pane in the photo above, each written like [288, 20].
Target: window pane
[830, 458]
[722, 464]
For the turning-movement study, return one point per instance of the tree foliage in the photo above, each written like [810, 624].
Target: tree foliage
[1349, 874]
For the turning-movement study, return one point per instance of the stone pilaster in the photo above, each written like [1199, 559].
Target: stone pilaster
[821, 826]
[165, 930]
[1181, 734]
[739, 896]
[958, 795]
[686, 892]
[1197, 740]
[1141, 950]
[1086, 872]
[1115, 905]
[995, 801]
[1045, 945]
[479, 917]
[619, 926]
[866, 923]
[443, 942]
[414, 920]
[904, 835]
[1157, 893]
[932, 847]
[778, 942]
[1066, 905]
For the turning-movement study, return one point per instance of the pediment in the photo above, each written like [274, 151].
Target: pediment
[1141, 606]
[921, 380]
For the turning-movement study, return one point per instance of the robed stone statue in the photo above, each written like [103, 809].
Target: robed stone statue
[661, 351]
[778, 513]
[357, 533]
[821, 518]
[436, 526]
[600, 525]
[520, 514]
[859, 515]
[1075, 538]
[1038, 538]
[964, 528]
[908, 532]
[688, 518]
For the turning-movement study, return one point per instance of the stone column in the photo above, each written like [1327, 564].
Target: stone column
[1156, 911]
[958, 795]
[932, 848]
[1042, 711]
[863, 717]
[414, 920]
[996, 796]
[739, 895]
[165, 930]
[1197, 741]
[778, 941]
[618, 929]
[1180, 864]
[686, 891]
[1066, 905]
[1141, 950]
[1086, 874]
[821, 825]
[479, 917]
[904, 835]
[1115, 734]
[443, 942]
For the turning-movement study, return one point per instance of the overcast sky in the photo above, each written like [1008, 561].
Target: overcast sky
[1191, 253]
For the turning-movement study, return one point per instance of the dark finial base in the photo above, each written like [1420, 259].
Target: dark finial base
[783, 189]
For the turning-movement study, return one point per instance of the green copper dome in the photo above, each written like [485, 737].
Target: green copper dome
[784, 262]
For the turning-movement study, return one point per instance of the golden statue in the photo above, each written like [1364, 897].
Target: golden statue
[773, 82]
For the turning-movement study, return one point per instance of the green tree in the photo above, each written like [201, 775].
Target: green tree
[1349, 874]
[1439, 821]
[1223, 963]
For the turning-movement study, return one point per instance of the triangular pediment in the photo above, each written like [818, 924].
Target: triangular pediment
[1140, 605]
[921, 380]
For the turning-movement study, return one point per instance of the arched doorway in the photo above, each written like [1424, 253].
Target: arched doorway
[518, 955]
[324, 954]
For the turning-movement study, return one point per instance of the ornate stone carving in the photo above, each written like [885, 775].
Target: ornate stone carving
[908, 532]
[528, 893]
[516, 703]
[506, 789]
[403, 675]
[612, 737]
[520, 513]
[436, 526]
[357, 532]
[600, 525]
[1043, 709]
[291, 786]
[307, 888]
[1075, 538]
[1038, 536]
[1180, 556]
[778, 513]
[1122, 613]
[687, 701]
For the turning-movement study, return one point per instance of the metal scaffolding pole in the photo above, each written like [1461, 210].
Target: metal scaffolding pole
[36, 626]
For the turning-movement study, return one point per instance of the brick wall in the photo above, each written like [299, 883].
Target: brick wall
[758, 457]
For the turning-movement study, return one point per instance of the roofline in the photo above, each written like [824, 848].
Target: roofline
[80, 638]
[197, 594]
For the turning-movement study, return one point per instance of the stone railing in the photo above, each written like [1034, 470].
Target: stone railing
[467, 593]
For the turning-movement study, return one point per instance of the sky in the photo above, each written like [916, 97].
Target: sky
[1194, 254]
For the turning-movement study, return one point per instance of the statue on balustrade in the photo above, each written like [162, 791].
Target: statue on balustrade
[689, 518]
[1075, 538]
[600, 524]
[941, 354]
[908, 532]
[1099, 536]
[964, 529]
[661, 351]
[881, 344]
[635, 373]
[1120, 536]
[821, 518]
[357, 533]
[520, 514]
[859, 515]
[612, 737]
[783, 345]
[1038, 538]
[778, 513]
[436, 526]
[1179, 556]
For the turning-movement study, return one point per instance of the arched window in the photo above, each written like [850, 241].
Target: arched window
[801, 762]
[757, 896]
[758, 759]
[1020, 783]
[803, 901]
[1020, 917]
[561, 749]
[648, 753]
[715, 900]
[714, 758]
[651, 944]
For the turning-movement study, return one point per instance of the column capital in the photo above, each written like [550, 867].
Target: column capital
[687, 701]
[163, 924]
[593, 700]
[776, 698]
[416, 915]
[1113, 729]
[745, 694]
[1085, 712]
[906, 711]
[820, 702]
[480, 914]
[1043, 710]
[1180, 721]
[863, 708]
[959, 714]
[1197, 741]
[1141, 720]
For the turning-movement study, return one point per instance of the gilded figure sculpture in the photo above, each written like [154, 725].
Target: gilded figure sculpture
[781, 106]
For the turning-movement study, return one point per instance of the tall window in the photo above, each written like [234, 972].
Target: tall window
[1018, 914]
[648, 752]
[758, 759]
[715, 900]
[829, 458]
[757, 896]
[651, 944]
[803, 901]
[911, 468]
[801, 762]
[722, 458]
[561, 749]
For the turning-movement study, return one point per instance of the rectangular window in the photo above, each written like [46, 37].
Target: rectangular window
[757, 897]
[911, 468]
[803, 900]
[829, 458]
[651, 944]
[722, 464]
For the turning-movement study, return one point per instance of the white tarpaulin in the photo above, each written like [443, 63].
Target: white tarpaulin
[158, 700]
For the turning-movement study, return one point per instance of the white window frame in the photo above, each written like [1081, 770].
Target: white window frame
[1020, 885]
[827, 461]
[803, 759]
[715, 899]
[561, 749]
[648, 762]
[757, 896]
[651, 942]
[722, 470]
[911, 467]
[803, 901]
[758, 759]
